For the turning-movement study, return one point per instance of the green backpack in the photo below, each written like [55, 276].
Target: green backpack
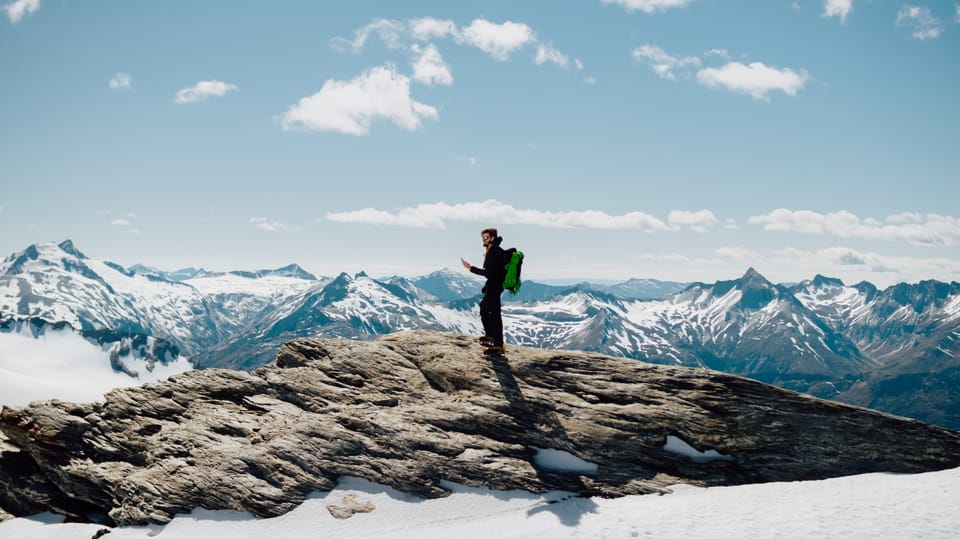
[511, 280]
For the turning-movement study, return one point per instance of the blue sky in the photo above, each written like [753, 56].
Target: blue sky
[675, 139]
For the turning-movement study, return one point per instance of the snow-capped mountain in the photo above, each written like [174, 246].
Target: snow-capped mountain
[746, 326]
[911, 330]
[448, 285]
[896, 349]
[50, 283]
[355, 307]
[645, 288]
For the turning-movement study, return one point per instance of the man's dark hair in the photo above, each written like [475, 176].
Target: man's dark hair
[492, 232]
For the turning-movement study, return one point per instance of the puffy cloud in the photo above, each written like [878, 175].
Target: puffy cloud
[497, 40]
[389, 31]
[21, 8]
[648, 6]
[429, 67]
[438, 214]
[919, 18]
[203, 90]
[699, 221]
[121, 81]
[754, 79]
[837, 8]
[661, 62]
[263, 223]
[351, 106]
[928, 230]
[546, 53]
[429, 28]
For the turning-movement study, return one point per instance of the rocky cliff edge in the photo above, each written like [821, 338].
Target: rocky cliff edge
[415, 409]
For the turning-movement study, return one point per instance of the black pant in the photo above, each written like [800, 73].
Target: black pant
[490, 317]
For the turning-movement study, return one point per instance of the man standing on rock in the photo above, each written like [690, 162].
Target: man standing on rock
[494, 262]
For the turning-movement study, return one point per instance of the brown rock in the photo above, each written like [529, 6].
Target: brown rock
[417, 408]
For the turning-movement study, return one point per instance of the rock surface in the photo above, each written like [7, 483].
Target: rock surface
[417, 408]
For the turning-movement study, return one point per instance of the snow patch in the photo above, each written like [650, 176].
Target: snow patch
[562, 461]
[680, 447]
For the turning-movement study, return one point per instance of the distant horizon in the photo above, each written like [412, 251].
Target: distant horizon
[464, 273]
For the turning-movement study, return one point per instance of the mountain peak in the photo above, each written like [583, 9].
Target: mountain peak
[821, 281]
[754, 277]
[68, 247]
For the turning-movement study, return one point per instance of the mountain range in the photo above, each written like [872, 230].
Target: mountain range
[895, 350]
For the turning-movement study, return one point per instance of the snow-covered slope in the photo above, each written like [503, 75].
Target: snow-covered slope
[51, 283]
[865, 506]
[57, 283]
[355, 307]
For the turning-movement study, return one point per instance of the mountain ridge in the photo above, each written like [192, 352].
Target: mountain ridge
[888, 349]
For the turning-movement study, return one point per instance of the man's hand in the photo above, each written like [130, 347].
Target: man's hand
[465, 263]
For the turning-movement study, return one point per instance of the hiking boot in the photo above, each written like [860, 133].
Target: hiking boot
[486, 341]
[494, 350]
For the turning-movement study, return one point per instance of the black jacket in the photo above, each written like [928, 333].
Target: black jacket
[494, 267]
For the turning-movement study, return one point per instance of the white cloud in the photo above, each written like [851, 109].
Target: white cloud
[578, 64]
[699, 221]
[722, 53]
[546, 53]
[20, 8]
[429, 28]
[590, 80]
[273, 226]
[203, 90]
[472, 161]
[121, 81]
[497, 40]
[754, 79]
[648, 6]
[438, 214]
[389, 32]
[956, 17]
[661, 62]
[731, 224]
[351, 106]
[854, 265]
[928, 230]
[736, 253]
[919, 18]
[126, 221]
[429, 67]
[837, 8]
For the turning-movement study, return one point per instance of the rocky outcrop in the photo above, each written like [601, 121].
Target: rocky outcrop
[418, 408]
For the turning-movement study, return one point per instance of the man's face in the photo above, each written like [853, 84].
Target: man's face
[487, 239]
